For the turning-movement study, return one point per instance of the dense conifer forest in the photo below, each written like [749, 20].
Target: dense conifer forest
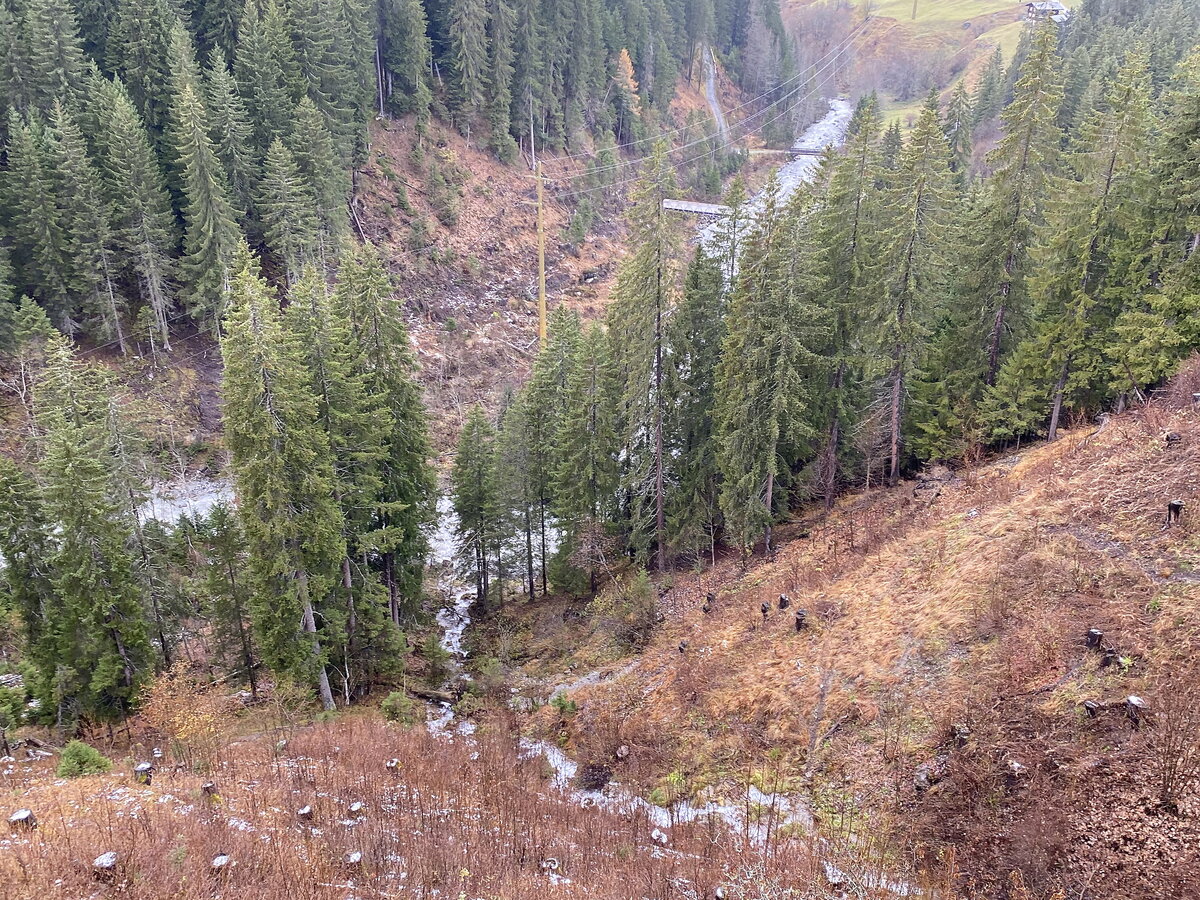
[178, 168]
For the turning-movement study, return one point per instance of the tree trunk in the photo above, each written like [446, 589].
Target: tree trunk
[542, 516]
[389, 578]
[309, 624]
[997, 337]
[897, 395]
[770, 513]
[1059, 388]
[529, 553]
[243, 634]
[660, 514]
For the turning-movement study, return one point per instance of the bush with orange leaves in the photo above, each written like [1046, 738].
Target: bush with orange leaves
[192, 715]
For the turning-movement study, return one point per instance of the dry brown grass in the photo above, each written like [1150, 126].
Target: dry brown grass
[972, 607]
[461, 818]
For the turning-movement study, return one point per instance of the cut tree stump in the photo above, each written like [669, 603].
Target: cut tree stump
[22, 820]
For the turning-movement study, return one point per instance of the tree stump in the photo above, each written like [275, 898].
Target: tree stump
[1092, 708]
[22, 820]
[622, 751]
[208, 789]
[709, 599]
[683, 645]
[143, 773]
[1174, 512]
[305, 814]
[1094, 638]
[104, 866]
[392, 765]
[784, 601]
[221, 864]
[961, 734]
[1137, 710]
[801, 619]
[353, 860]
[765, 609]
[356, 808]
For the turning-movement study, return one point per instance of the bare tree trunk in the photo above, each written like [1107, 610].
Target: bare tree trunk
[1059, 388]
[309, 624]
[243, 635]
[770, 512]
[529, 553]
[897, 394]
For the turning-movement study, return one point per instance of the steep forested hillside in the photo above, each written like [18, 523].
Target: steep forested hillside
[193, 182]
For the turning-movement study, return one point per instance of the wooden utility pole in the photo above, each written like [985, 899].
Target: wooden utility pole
[541, 229]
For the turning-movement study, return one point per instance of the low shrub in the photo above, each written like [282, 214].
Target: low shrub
[79, 759]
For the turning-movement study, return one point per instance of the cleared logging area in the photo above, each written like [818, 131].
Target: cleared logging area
[325, 816]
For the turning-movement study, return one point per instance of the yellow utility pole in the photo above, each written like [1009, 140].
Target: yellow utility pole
[541, 228]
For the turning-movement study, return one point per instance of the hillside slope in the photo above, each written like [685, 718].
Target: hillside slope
[963, 600]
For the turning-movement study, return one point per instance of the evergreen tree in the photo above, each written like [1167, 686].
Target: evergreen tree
[959, 118]
[989, 93]
[285, 206]
[31, 195]
[143, 220]
[223, 545]
[211, 235]
[468, 60]
[1022, 162]
[323, 173]
[762, 381]
[261, 79]
[405, 54]
[644, 298]
[283, 470]
[405, 506]
[53, 67]
[544, 409]
[139, 52]
[844, 224]
[911, 261]
[501, 22]
[231, 133]
[696, 334]
[103, 654]
[473, 499]
[1085, 264]
[587, 442]
[354, 420]
[87, 216]
[27, 544]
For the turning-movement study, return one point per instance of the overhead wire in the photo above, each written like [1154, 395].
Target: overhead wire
[573, 193]
[835, 51]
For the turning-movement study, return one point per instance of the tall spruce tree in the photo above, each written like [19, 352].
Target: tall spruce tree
[283, 469]
[285, 206]
[86, 217]
[588, 443]
[468, 60]
[354, 419]
[231, 133]
[762, 382]
[696, 335]
[911, 262]
[1022, 163]
[103, 653]
[473, 497]
[405, 507]
[644, 298]
[31, 196]
[143, 220]
[211, 235]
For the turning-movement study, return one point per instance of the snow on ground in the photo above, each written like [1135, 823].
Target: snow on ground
[829, 131]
